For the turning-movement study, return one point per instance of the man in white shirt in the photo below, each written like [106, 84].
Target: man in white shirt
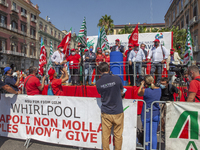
[158, 56]
[136, 57]
[57, 58]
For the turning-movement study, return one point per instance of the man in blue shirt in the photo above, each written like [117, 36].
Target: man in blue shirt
[136, 58]
[110, 88]
[9, 80]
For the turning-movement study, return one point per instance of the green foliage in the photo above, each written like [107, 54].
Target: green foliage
[126, 30]
[107, 22]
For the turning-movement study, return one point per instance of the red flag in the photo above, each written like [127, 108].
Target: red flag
[134, 36]
[43, 58]
[65, 43]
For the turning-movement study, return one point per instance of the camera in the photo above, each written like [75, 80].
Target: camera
[178, 69]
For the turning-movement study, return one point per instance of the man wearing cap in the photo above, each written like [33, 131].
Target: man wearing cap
[56, 83]
[158, 56]
[129, 70]
[86, 50]
[9, 80]
[172, 59]
[57, 58]
[74, 60]
[32, 83]
[90, 64]
[118, 47]
[136, 58]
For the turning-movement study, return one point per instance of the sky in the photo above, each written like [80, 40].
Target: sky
[65, 14]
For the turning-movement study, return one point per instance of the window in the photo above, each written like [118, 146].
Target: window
[45, 41]
[187, 18]
[55, 34]
[45, 28]
[54, 45]
[13, 47]
[195, 10]
[33, 31]
[14, 6]
[14, 25]
[177, 9]
[3, 20]
[182, 23]
[181, 4]
[51, 31]
[33, 17]
[41, 25]
[40, 39]
[23, 10]
[58, 35]
[23, 28]
[3, 44]
[174, 15]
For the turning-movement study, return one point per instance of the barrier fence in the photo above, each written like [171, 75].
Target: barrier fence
[75, 121]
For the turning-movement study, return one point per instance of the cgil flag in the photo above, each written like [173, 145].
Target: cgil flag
[49, 64]
[102, 41]
[134, 36]
[43, 58]
[82, 35]
[188, 56]
[65, 43]
[21, 81]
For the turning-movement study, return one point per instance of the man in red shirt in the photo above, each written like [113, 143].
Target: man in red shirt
[74, 60]
[32, 83]
[56, 83]
[194, 89]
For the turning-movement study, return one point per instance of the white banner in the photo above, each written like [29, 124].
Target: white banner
[165, 38]
[182, 126]
[74, 121]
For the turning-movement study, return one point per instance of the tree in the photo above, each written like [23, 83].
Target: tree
[107, 22]
[142, 29]
[126, 30]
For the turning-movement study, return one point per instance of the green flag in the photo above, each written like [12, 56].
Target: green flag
[102, 40]
[188, 56]
[49, 64]
[82, 35]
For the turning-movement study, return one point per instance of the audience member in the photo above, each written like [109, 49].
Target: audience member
[158, 56]
[150, 94]
[56, 83]
[9, 79]
[107, 57]
[99, 59]
[194, 88]
[110, 88]
[32, 83]
[90, 58]
[136, 58]
[7, 88]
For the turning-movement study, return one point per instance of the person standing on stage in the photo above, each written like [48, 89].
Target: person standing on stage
[107, 57]
[110, 88]
[90, 64]
[99, 59]
[56, 83]
[57, 58]
[118, 47]
[158, 55]
[136, 58]
[144, 64]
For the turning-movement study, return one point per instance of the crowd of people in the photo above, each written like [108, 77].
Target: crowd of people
[110, 86]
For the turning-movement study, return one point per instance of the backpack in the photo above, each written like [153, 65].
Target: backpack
[50, 91]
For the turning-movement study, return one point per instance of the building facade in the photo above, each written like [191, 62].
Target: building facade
[148, 27]
[48, 32]
[18, 31]
[184, 13]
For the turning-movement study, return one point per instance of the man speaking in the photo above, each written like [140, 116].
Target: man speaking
[110, 88]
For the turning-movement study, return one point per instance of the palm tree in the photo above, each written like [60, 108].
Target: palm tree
[107, 22]
[142, 29]
[126, 30]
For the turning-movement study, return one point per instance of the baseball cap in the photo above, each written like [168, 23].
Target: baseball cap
[6, 69]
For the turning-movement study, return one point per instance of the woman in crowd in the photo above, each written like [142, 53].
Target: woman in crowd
[56, 83]
[150, 94]
[99, 59]
[107, 57]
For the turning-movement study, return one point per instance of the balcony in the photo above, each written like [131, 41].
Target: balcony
[23, 14]
[14, 29]
[3, 3]
[32, 36]
[8, 52]
[24, 33]
[2, 64]
[15, 9]
[193, 20]
[195, 49]
[3, 25]
[17, 53]
[33, 20]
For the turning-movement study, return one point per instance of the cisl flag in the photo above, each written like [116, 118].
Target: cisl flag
[182, 126]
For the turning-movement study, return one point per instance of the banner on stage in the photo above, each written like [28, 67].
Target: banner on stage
[166, 39]
[73, 121]
[182, 126]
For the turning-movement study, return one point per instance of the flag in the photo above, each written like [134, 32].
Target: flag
[188, 56]
[82, 35]
[49, 64]
[21, 81]
[134, 36]
[43, 58]
[65, 43]
[102, 41]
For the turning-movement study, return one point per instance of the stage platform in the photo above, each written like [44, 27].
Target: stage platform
[91, 91]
